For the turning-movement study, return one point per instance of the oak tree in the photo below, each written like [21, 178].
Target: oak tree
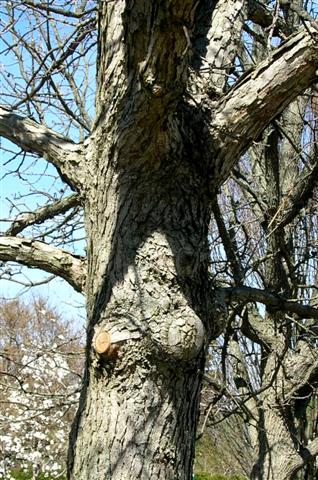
[175, 110]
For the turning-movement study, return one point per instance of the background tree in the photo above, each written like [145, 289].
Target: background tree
[40, 374]
[174, 114]
[270, 217]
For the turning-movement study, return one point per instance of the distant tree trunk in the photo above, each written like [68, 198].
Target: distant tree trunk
[282, 450]
[278, 456]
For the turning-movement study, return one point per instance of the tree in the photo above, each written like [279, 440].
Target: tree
[269, 216]
[174, 114]
[40, 372]
[276, 368]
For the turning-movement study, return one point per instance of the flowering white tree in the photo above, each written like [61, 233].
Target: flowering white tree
[40, 364]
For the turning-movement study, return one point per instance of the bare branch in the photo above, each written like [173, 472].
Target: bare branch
[297, 198]
[42, 214]
[35, 138]
[232, 257]
[249, 294]
[76, 38]
[260, 96]
[54, 260]
[262, 15]
[59, 11]
[303, 15]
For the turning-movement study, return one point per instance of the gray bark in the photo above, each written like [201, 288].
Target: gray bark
[147, 283]
[147, 176]
[64, 154]
[36, 254]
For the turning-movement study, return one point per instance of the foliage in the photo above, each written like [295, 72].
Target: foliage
[206, 476]
[28, 475]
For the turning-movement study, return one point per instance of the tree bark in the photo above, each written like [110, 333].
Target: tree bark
[147, 176]
[281, 452]
[147, 213]
[34, 254]
[148, 287]
[32, 137]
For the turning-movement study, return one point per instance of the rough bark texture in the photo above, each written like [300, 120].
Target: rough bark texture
[263, 92]
[64, 154]
[147, 279]
[147, 215]
[218, 33]
[36, 254]
[147, 175]
[286, 372]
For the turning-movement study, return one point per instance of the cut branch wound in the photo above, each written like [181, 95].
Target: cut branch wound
[105, 345]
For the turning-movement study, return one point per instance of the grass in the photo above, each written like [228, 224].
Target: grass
[207, 476]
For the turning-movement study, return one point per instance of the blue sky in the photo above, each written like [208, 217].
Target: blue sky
[59, 293]
[41, 177]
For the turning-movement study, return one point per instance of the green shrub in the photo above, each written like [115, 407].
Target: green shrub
[202, 476]
[207, 476]
[22, 475]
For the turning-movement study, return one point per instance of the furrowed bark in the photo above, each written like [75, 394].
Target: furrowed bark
[240, 117]
[143, 47]
[147, 207]
[147, 278]
[36, 254]
[216, 43]
[146, 213]
[32, 137]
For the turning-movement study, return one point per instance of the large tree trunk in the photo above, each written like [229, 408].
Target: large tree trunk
[148, 287]
[147, 216]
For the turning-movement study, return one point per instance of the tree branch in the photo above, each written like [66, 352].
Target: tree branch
[302, 14]
[261, 95]
[249, 294]
[302, 368]
[59, 11]
[42, 214]
[262, 16]
[297, 198]
[54, 260]
[231, 255]
[217, 33]
[312, 448]
[32, 137]
[156, 49]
